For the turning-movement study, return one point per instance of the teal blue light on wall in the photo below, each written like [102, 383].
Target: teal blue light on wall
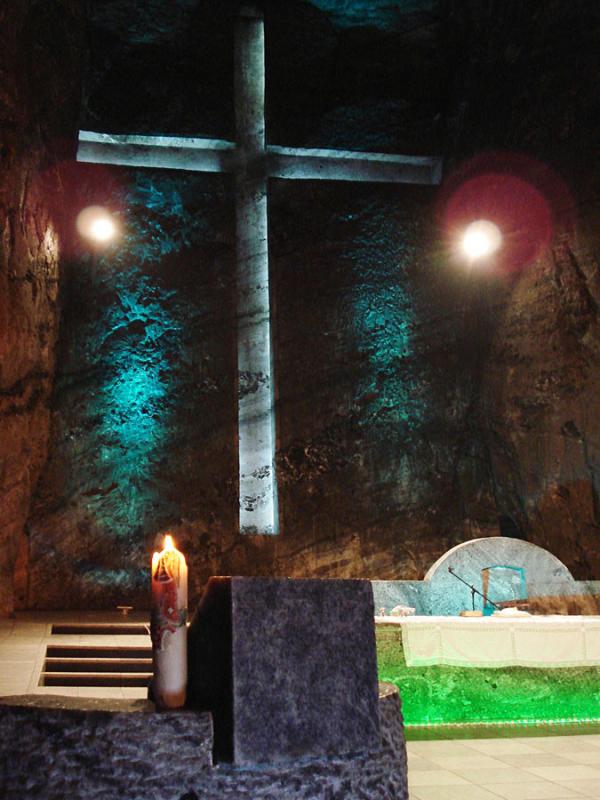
[140, 341]
[384, 319]
[134, 401]
[380, 13]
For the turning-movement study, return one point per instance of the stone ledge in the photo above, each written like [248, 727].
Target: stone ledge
[53, 747]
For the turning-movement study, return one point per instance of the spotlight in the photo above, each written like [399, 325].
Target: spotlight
[102, 229]
[480, 239]
[97, 224]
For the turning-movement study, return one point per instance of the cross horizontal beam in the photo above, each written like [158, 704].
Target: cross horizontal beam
[168, 152]
[347, 165]
[291, 163]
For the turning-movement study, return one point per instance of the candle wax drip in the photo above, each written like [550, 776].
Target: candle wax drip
[166, 616]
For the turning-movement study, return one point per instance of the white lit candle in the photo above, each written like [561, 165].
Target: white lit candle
[168, 626]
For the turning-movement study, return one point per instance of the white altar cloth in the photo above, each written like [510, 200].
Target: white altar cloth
[535, 641]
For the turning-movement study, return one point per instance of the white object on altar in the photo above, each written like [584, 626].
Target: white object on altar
[511, 612]
[533, 641]
[402, 611]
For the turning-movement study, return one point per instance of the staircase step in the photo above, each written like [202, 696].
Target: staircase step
[97, 651]
[99, 628]
[95, 679]
[112, 665]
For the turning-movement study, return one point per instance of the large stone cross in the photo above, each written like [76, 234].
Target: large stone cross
[252, 162]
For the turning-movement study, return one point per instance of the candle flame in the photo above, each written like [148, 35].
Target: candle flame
[169, 544]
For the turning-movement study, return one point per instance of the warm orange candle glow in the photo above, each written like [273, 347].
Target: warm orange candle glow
[169, 625]
[169, 543]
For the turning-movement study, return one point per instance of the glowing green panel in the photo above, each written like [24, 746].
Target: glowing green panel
[443, 694]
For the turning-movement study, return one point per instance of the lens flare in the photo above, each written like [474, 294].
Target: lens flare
[523, 197]
[481, 239]
[97, 224]
[102, 229]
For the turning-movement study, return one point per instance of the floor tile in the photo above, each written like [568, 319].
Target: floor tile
[535, 760]
[13, 646]
[562, 773]
[453, 793]
[418, 763]
[30, 630]
[497, 747]
[593, 738]
[583, 788]
[435, 777]
[505, 775]
[60, 691]
[539, 790]
[101, 691]
[17, 668]
[563, 744]
[586, 757]
[440, 748]
[466, 762]
[134, 692]
[12, 688]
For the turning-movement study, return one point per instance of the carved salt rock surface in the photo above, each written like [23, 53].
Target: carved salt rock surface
[37, 107]
[446, 595]
[145, 410]
[388, 594]
[118, 750]
[56, 746]
[542, 389]
[380, 13]
[540, 382]
[379, 464]
[391, 452]
[146, 344]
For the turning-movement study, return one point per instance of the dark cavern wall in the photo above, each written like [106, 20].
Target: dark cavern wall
[539, 401]
[418, 405]
[40, 64]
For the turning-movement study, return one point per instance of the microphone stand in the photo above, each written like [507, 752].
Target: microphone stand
[474, 591]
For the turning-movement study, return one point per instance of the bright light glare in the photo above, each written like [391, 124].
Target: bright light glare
[102, 229]
[97, 224]
[481, 239]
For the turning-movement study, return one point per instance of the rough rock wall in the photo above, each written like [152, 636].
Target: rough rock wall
[416, 409]
[539, 405]
[39, 65]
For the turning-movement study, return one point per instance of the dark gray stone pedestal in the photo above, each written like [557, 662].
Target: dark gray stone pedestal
[61, 748]
[287, 667]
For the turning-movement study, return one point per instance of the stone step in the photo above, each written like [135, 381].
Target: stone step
[98, 665]
[99, 628]
[98, 651]
[141, 679]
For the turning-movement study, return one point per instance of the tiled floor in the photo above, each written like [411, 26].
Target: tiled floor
[544, 768]
[23, 644]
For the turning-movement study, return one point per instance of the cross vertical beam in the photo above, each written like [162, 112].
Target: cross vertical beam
[256, 414]
[252, 162]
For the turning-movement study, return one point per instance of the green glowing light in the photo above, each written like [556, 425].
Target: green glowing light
[462, 697]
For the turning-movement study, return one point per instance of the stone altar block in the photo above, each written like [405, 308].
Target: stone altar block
[287, 667]
[53, 748]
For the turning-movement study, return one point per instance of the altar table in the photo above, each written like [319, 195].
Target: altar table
[534, 641]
